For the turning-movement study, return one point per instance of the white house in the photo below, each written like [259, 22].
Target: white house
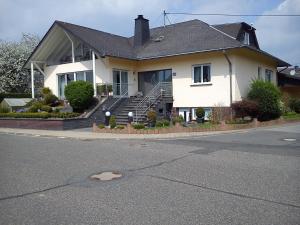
[204, 65]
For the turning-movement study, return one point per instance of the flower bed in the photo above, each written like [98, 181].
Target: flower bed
[129, 129]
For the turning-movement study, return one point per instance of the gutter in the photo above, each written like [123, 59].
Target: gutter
[230, 74]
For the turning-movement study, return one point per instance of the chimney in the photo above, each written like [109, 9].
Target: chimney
[141, 31]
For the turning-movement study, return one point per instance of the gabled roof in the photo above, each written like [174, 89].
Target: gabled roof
[104, 43]
[176, 39]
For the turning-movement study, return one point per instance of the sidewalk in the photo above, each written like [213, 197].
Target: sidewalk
[85, 134]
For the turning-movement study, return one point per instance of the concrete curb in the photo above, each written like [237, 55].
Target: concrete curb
[92, 135]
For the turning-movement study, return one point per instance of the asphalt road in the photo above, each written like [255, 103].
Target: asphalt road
[251, 177]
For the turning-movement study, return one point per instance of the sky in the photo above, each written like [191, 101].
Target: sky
[280, 36]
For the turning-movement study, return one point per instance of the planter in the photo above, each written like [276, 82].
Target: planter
[200, 120]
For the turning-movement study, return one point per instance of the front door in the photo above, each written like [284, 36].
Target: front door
[120, 83]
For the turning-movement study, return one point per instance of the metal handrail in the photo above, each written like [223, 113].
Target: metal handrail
[156, 92]
[119, 98]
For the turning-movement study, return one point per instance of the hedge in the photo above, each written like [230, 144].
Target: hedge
[41, 115]
[14, 95]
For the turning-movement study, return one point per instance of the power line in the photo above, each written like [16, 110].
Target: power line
[224, 14]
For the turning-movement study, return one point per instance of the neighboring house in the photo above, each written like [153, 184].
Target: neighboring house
[14, 104]
[289, 81]
[202, 65]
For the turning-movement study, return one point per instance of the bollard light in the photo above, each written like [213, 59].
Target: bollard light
[130, 117]
[107, 117]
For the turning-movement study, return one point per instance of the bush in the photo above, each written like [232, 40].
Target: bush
[177, 119]
[151, 115]
[245, 108]
[42, 115]
[50, 99]
[294, 105]
[267, 95]
[112, 122]
[46, 108]
[121, 127]
[79, 94]
[35, 107]
[162, 123]
[200, 113]
[101, 126]
[46, 91]
[138, 126]
[14, 95]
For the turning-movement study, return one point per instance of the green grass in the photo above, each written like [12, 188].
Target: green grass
[291, 116]
[40, 115]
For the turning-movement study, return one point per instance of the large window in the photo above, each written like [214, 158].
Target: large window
[201, 74]
[268, 75]
[66, 78]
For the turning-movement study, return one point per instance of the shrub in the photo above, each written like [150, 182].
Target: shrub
[267, 95]
[46, 108]
[14, 95]
[162, 123]
[79, 94]
[151, 115]
[294, 105]
[101, 126]
[43, 115]
[177, 119]
[112, 122]
[138, 126]
[50, 99]
[121, 127]
[35, 107]
[46, 91]
[200, 113]
[245, 108]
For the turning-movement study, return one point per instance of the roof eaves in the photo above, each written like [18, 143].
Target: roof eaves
[283, 63]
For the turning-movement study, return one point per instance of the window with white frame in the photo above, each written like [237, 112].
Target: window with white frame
[246, 40]
[201, 74]
[268, 75]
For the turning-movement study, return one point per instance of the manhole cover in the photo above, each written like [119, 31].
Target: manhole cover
[289, 139]
[106, 176]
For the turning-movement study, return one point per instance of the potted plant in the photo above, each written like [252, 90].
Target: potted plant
[151, 115]
[200, 113]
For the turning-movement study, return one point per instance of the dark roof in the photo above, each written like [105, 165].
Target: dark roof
[180, 38]
[185, 37]
[104, 43]
[231, 29]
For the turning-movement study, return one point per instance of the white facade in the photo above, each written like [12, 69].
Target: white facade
[216, 93]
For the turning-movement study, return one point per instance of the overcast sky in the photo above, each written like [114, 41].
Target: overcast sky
[279, 36]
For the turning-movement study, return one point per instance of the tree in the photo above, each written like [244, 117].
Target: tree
[13, 55]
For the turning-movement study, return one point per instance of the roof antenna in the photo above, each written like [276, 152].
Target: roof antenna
[165, 14]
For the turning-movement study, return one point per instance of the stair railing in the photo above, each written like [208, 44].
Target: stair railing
[123, 94]
[160, 89]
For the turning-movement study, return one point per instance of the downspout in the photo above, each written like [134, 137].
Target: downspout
[230, 80]
[230, 74]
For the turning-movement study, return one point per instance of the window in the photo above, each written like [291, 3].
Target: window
[268, 75]
[259, 73]
[246, 39]
[85, 76]
[201, 74]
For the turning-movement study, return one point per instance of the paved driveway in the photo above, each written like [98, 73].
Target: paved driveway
[252, 177]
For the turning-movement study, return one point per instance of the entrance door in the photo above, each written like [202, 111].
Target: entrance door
[120, 83]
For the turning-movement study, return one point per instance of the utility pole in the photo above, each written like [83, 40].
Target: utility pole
[165, 14]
